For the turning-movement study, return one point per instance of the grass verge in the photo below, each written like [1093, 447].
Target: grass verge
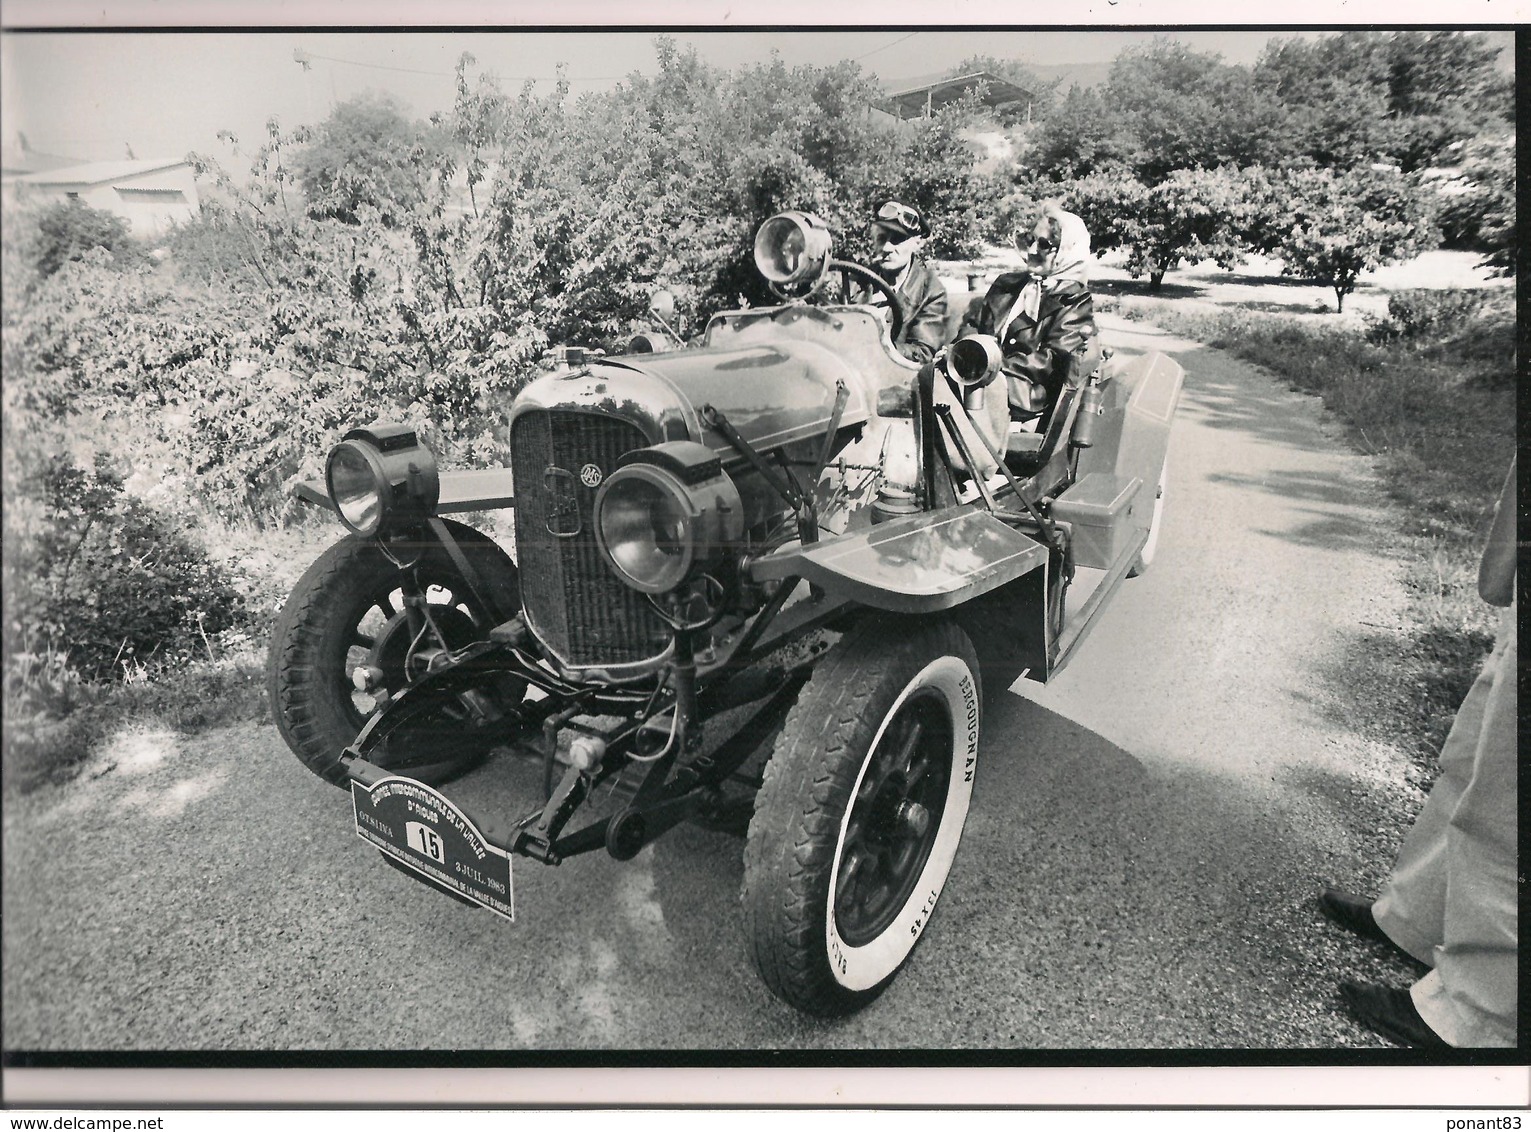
[51, 746]
[1437, 411]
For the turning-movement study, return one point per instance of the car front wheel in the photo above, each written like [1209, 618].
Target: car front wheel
[860, 813]
[348, 612]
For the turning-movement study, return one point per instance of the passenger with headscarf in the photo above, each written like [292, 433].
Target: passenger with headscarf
[1042, 315]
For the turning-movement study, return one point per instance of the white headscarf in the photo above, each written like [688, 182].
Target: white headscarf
[1070, 263]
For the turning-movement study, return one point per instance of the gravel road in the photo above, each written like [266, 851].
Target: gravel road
[1146, 838]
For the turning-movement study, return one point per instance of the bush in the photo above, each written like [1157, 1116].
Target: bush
[1420, 313]
[69, 230]
[103, 584]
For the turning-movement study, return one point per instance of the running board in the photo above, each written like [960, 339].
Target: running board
[1077, 627]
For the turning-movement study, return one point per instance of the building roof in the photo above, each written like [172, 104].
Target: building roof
[936, 93]
[99, 172]
[19, 160]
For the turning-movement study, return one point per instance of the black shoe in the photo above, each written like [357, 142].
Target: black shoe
[1353, 913]
[1390, 1012]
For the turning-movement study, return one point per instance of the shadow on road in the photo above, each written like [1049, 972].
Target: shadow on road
[1231, 396]
[1140, 287]
[1341, 515]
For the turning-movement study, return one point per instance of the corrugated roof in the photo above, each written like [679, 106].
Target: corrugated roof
[99, 172]
[940, 92]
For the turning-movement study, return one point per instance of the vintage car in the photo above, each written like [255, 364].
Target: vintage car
[685, 519]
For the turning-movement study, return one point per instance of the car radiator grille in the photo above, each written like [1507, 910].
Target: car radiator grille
[574, 602]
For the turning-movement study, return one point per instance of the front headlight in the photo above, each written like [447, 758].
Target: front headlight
[666, 515]
[974, 360]
[792, 248]
[381, 476]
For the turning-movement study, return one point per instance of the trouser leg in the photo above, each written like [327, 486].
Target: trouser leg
[1470, 998]
[1411, 908]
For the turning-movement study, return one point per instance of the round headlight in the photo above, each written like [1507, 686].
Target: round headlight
[667, 514]
[355, 479]
[974, 360]
[381, 476]
[644, 524]
[792, 248]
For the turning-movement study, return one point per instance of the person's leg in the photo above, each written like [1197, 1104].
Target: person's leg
[1411, 909]
[1470, 997]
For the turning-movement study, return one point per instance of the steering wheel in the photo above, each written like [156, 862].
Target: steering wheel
[897, 314]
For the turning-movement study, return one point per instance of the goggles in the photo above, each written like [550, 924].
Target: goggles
[902, 215]
[1026, 240]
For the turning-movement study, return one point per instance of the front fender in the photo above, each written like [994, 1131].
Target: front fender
[924, 563]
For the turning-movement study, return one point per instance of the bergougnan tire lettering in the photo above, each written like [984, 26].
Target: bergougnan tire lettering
[867, 965]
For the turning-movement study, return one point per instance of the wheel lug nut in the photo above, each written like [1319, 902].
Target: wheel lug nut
[914, 816]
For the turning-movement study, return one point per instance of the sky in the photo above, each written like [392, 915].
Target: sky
[97, 95]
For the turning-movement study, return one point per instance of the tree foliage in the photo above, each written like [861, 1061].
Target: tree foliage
[367, 153]
[69, 230]
[1400, 97]
[1479, 213]
[103, 579]
[1355, 97]
[1186, 109]
[1192, 212]
[1331, 227]
[1080, 136]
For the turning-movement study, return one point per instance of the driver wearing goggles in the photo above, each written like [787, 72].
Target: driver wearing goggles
[898, 234]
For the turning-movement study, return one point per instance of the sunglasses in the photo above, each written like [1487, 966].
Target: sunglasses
[881, 235]
[1024, 240]
[900, 214]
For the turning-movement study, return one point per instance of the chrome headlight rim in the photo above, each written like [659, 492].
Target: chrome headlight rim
[785, 266]
[374, 465]
[974, 360]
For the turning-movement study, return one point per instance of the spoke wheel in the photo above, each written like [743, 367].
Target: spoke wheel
[894, 819]
[348, 612]
[858, 819]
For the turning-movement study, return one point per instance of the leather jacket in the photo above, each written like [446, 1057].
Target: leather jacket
[924, 297]
[1055, 349]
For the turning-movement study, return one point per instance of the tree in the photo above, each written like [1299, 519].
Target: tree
[1338, 225]
[936, 176]
[1403, 98]
[366, 153]
[1184, 109]
[1334, 94]
[1081, 136]
[1480, 213]
[1191, 212]
[1445, 87]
